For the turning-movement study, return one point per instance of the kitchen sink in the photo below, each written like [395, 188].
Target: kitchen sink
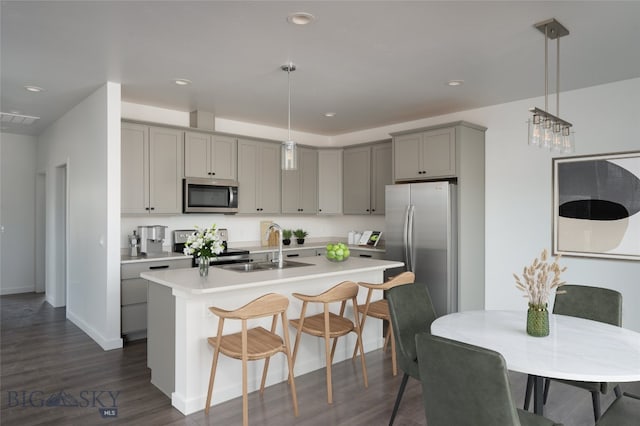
[261, 266]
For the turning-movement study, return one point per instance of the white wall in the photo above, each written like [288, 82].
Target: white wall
[17, 213]
[87, 140]
[518, 221]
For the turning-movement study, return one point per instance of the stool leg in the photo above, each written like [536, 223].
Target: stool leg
[245, 396]
[359, 342]
[327, 354]
[287, 353]
[212, 377]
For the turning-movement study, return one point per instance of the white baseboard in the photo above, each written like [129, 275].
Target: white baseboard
[17, 290]
[106, 344]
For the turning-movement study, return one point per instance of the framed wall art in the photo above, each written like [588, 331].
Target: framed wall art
[596, 206]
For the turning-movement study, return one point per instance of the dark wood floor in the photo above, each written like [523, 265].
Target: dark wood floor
[43, 354]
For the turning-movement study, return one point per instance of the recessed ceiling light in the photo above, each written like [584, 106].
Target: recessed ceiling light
[182, 81]
[33, 88]
[455, 83]
[300, 18]
[329, 114]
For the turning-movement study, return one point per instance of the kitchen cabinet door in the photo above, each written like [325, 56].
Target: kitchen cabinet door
[300, 187]
[425, 155]
[134, 171]
[210, 156]
[407, 164]
[356, 172]
[165, 170]
[258, 177]
[330, 181]
[197, 154]
[224, 157]
[439, 153]
[381, 175]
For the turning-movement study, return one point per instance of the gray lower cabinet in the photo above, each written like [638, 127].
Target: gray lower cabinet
[300, 187]
[258, 177]
[133, 294]
[366, 171]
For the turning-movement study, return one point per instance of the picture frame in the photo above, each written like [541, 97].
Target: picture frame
[596, 206]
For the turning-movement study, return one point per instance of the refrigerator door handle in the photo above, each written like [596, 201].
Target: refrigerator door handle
[410, 259]
[405, 239]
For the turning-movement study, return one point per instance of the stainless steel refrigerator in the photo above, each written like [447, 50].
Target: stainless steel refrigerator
[420, 228]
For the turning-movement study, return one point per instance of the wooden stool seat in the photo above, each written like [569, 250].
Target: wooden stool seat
[261, 343]
[252, 344]
[329, 325]
[380, 310]
[314, 325]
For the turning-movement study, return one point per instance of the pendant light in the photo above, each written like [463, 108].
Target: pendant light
[289, 150]
[546, 130]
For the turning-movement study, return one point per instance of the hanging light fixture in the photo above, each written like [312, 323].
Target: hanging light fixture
[289, 151]
[547, 130]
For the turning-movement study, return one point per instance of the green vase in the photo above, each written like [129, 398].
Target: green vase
[538, 320]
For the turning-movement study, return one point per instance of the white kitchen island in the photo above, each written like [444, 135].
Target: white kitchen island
[179, 323]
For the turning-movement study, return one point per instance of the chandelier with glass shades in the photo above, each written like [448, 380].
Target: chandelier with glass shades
[545, 129]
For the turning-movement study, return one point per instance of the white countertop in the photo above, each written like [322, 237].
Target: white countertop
[220, 280]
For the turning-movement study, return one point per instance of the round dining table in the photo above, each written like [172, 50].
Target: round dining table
[575, 349]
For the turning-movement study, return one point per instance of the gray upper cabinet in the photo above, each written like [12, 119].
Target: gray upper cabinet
[366, 171]
[151, 169]
[258, 177]
[300, 187]
[210, 156]
[330, 181]
[425, 155]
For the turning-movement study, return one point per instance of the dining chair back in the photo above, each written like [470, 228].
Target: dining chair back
[592, 303]
[624, 411]
[379, 309]
[251, 344]
[465, 385]
[411, 312]
[329, 325]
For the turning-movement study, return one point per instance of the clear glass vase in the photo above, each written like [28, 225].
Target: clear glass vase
[537, 320]
[203, 266]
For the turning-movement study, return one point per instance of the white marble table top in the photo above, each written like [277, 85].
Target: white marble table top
[576, 349]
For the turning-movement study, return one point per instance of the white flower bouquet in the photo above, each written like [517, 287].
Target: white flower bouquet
[539, 279]
[204, 243]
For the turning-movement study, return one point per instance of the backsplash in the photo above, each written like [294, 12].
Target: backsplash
[245, 230]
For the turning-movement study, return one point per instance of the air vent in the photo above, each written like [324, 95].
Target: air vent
[6, 117]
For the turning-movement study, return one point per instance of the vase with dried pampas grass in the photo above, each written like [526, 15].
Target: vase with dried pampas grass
[537, 282]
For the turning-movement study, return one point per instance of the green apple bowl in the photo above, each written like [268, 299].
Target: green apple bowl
[337, 252]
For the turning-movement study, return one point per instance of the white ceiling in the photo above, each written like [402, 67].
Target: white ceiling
[372, 63]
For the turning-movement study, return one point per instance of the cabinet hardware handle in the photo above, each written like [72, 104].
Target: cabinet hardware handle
[365, 255]
[293, 255]
[152, 208]
[213, 173]
[367, 209]
[159, 267]
[146, 208]
[373, 210]
[319, 210]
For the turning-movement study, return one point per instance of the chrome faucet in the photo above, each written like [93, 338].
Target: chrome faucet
[275, 226]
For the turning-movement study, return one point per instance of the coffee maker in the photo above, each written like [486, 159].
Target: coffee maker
[151, 238]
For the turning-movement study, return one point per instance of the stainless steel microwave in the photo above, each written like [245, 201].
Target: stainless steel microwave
[209, 196]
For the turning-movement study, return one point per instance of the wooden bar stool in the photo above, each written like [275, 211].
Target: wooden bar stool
[253, 343]
[380, 309]
[329, 325]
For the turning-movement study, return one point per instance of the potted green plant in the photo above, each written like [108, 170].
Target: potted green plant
[300, 235]
[286, 236]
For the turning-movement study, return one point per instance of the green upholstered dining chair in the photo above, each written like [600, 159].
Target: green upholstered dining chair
[593, 303]
[411, 312]
[624, 411]
[465, 385]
